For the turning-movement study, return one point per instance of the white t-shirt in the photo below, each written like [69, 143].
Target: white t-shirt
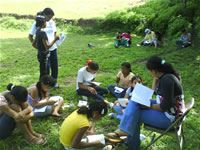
[84, 77]
[49, 30]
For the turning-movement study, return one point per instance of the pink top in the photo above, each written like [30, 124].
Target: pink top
[126, 35]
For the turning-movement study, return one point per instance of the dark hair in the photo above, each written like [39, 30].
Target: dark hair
[46, 80]
[40, 13]
[157, 63]
[127, 65]
[48, 11]
[100, 107]
[40, 20]
[20, 93]
[93, 65]
[138, 78]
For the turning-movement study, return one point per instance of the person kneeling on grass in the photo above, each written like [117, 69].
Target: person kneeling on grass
[77, 124]
[14, 110]
[44, 105]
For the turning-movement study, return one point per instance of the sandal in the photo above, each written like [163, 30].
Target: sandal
[113, 141]
[116, 134]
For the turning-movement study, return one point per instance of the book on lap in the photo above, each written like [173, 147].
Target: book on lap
[142, 95]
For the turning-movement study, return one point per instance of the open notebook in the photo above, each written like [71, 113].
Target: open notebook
[142, 95]
[61, 39]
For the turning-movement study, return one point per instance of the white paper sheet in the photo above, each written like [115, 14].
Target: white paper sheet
[42, 109]
[82, 103]
[95, 138]
[96, 83]
[61, 40]
[142, 94]
[123, 101]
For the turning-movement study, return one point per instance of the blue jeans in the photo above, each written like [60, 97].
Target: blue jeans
[7, 125]
[98, 97]
[134, 116]
[118, 110]
[53, 64]
[111, 88]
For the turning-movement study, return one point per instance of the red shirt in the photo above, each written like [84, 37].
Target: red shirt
[126, 35]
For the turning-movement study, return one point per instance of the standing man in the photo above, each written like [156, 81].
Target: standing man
[51, 34]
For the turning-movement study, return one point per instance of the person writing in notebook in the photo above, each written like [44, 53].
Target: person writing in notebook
[170, 94]
[86, 75]
[78, 123]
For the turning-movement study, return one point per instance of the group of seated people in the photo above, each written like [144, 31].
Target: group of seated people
[151, 39]
[19, 104]
[122, 39]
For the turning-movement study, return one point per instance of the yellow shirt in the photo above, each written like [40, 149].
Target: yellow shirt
[124, 81]
[150, 37]
[70, 126]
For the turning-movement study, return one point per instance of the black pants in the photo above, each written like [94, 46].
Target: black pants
[53, 64]
[98, 97]
[43, 60]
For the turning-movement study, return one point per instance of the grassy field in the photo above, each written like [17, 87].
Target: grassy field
[69, 9]
[18, 64]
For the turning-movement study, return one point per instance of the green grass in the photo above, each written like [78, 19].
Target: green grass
[18, 64]
[69, 9]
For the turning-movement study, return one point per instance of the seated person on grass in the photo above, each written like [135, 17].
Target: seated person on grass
[185, 39]
[85, 85]
[149, 39]
[119, 107]
[39, 98]
[122, 39]
[78, 124]
[15, 111]
[123, 81]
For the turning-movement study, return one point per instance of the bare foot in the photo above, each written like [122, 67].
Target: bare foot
[56, 114]
[38, 135]
[36, 140]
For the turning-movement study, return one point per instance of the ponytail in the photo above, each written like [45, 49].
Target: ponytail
[20, 93]
[93, 65]
[158, 64]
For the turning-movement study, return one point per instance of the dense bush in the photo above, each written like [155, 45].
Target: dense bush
[166, 16]
[9, 22]
[176, 24]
